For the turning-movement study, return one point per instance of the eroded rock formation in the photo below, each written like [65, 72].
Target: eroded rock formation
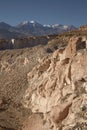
[57, 92]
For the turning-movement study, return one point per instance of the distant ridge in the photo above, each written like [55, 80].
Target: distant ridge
[32, 28]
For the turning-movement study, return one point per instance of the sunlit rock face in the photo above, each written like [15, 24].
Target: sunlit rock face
[57, 91]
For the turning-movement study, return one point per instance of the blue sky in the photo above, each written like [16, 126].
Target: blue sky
[44, 11]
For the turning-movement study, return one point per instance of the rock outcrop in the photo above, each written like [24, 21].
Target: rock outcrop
[84, 27]
[57, 92]
[42, 91]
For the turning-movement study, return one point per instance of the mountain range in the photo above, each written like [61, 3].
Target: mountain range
[31, 28]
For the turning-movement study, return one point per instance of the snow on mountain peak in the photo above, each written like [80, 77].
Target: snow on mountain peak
[65, 27]
[32, 21]
[48, 25]
[55, 25]
[25, 22]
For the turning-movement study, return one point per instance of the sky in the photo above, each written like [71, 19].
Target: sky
[67, 12]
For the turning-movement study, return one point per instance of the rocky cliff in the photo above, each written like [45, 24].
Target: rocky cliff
[47, 93]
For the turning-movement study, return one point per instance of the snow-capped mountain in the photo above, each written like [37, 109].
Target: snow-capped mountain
[29, 23]
[35, 28]
[27, 28]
